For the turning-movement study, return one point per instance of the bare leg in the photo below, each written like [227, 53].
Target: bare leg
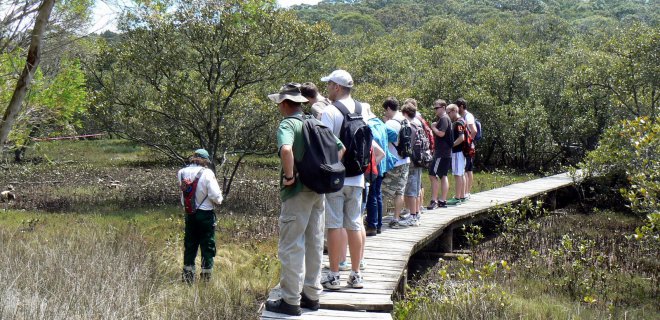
[355, 247]
[435, 188]
[444, 185]
[335, 245]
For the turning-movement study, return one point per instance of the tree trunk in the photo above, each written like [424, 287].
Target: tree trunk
[33, 58]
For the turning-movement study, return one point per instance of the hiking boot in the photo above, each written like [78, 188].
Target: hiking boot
[371, 232]
[188, 276]
[308, 303]
[432, 205]
[379, 231]
[330, 282]
[280, 306]
[344, 266]
[453, 202]
[355, 281]
[205, 276]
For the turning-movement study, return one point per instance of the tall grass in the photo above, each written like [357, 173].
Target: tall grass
[92, 269]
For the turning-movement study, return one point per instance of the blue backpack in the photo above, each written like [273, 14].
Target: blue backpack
[477, 123]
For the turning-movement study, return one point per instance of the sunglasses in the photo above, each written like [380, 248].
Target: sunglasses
[436, 108]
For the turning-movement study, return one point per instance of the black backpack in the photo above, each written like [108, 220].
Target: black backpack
[319, 169]
[404, 148]
[356, 136]
[421, 146]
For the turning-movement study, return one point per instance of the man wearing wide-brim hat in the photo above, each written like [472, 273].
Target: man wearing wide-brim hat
[302, 215]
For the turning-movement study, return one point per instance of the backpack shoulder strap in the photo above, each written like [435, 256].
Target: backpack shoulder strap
[199, 173]
[341, 107]
[197, 177]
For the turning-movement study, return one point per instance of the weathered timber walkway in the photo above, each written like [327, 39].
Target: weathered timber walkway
[387, 254]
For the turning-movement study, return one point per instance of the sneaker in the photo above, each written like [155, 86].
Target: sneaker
[330, 282]
[363, 265]
[307, 303]
[453, 202]
[462, 200]
[355, 281]
[432, 205]
[442, 204]
[404, 223]
[397, 224]
[280, 306]
[344, 266]
[467, 196]
[411, 222]
[371, 232]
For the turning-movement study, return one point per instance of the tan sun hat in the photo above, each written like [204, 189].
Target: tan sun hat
[289, 91]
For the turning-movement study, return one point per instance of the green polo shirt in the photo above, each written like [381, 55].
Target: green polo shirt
[290, 132]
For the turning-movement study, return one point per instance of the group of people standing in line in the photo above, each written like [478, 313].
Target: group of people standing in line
[307, 216]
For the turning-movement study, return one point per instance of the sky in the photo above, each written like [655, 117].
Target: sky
[105, 13]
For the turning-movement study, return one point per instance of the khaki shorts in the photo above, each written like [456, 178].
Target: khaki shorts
[342, 209]
[394, 182]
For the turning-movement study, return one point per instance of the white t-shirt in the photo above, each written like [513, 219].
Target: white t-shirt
[207, 185]
[395, 124]
[469, 119]
[333, 118]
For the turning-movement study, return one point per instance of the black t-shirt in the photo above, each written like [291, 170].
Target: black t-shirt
[443, 145]
[458, 128]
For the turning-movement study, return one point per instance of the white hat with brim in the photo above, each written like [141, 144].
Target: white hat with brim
[289, 91]
[340, 77]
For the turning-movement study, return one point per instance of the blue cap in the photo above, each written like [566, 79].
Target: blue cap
[202, 153]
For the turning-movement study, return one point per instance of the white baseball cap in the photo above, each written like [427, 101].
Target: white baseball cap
[340, 77]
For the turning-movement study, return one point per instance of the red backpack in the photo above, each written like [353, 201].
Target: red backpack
[371, 173]
[188, 189]
[428, 131]
[468, 144]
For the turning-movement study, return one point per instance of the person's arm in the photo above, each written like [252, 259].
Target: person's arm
[379, 153]
[286, 158]
[459, 140]
[473, 130]
[436, 131]
[213, 189]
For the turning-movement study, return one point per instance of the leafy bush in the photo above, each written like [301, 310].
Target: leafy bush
[630, 151]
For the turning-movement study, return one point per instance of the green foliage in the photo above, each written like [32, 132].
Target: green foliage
[630, 150]
[571, 266]
[54, 103]
[464, 292]
[197, 75]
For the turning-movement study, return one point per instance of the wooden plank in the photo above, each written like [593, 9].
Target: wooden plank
[323, 314]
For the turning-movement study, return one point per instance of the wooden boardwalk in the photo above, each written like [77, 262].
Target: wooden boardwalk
[387, 254]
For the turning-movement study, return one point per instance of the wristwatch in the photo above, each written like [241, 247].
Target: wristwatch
[288, 178]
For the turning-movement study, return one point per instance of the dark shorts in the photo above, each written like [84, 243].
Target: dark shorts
[440, 167]
[468, 163]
